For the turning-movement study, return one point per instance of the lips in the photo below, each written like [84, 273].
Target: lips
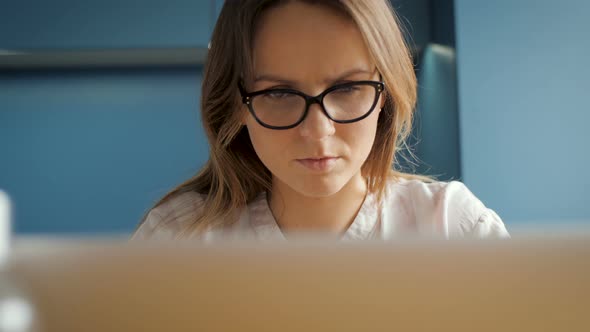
[318, 163]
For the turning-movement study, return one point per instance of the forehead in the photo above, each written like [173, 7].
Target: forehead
[308, 43]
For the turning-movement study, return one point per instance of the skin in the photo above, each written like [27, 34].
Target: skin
[312, 47]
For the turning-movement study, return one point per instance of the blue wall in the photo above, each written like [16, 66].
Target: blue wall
[81, 24]
[90, 151]
[86, 151]
[524, 83]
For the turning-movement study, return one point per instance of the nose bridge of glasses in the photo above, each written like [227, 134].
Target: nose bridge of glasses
[310, 101]
[316, 123]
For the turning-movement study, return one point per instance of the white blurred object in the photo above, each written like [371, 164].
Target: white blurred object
[5, 227]
[17, 313]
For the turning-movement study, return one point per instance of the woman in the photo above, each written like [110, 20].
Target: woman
[305, 104]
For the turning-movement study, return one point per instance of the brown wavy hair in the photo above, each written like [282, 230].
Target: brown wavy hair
[234, 175]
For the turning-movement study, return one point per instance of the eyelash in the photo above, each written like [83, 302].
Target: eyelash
[280, 95]
[275, 95]
[349, 89]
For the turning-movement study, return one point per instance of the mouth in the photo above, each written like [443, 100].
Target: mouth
[319, 163]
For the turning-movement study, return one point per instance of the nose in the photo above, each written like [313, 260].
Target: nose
[316, 124]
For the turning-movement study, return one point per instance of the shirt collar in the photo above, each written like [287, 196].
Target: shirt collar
[266, 227]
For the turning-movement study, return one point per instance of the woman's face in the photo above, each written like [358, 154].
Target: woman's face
[313, 47]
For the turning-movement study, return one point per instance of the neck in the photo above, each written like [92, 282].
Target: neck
[294, 211]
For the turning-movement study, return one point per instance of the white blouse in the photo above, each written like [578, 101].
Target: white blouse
[408, 208]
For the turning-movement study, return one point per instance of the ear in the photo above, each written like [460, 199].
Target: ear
[242, 111]
[383, 98]
[244, 116]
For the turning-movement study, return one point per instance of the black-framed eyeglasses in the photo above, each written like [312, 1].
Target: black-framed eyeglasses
[283, 108]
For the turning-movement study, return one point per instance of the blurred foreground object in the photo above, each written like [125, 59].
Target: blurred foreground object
[525, 284]
[17, 313]
[5, 227]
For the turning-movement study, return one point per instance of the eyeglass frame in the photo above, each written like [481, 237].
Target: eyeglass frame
[310, 100]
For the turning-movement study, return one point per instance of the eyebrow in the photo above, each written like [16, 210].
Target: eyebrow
[277, 79]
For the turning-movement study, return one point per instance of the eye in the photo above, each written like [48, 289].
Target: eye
[347, 89]
[278, 95]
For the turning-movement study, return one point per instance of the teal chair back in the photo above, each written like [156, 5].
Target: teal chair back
[435, 134]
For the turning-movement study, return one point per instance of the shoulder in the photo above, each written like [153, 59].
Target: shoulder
[435, 191]
[447, 207]
[170, 218]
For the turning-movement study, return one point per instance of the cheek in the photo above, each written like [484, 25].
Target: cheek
[268, 144]
[360, 137]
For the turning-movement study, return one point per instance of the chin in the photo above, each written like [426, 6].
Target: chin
[318, 187]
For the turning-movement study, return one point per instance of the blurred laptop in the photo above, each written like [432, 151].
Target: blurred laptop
[522, 284]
